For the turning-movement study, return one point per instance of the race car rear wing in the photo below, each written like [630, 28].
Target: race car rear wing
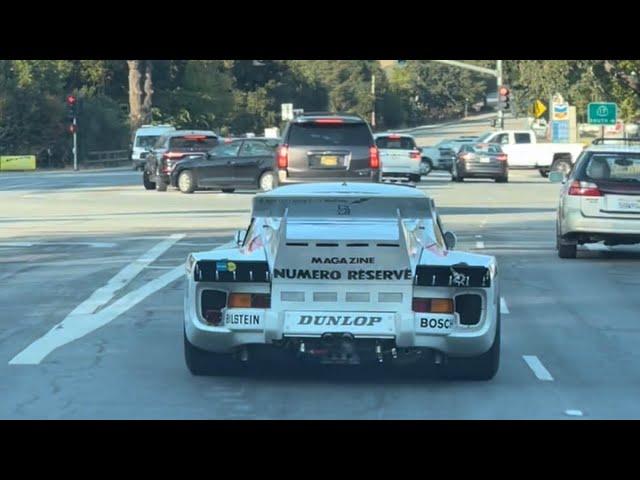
[341, 207]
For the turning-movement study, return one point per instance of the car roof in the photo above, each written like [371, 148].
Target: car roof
[312, 116]
[333, 189]
[180, 133]
[388, 134]
[614, 148]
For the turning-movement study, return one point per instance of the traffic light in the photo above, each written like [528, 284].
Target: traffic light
[72, 106]
[503, 98]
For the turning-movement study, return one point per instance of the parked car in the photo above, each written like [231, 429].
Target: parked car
[233, 164]
[399, 156]
[481, 161]
[169, 150]
[438, 157]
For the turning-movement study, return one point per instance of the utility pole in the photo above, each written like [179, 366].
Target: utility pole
[499, 84]
[373, 108]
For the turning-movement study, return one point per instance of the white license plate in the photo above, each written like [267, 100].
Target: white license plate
[244, 319]
[356, 323]
[485, 159]
[434, 323]
[624, 204]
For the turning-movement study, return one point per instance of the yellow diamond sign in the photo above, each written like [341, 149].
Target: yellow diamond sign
[539, 109]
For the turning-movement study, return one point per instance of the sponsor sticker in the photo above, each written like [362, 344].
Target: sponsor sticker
[434, 324]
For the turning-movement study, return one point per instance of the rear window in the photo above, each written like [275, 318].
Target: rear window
[345, 134]
[147, 141]
[486, 148]
[193, 142]
[614, 167]
[396, 143]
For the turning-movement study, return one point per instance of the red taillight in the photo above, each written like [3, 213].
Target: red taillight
[172, 155]
[466, 156]
[502, 157]
[195, 137]
[415, 155]
[421, 305]
[283, 156]
[432, 305]
[374, 158]
[394, 137]
[249, 300]
[329, 120]
[584, 189]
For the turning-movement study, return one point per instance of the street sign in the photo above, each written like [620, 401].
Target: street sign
[287, 111]
[602, 113]
[560, 131]
[538, 109]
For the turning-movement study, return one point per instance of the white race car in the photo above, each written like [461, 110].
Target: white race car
[339, 273]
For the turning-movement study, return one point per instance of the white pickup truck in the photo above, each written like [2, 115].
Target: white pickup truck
[523, 151]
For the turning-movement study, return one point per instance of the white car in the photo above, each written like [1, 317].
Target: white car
[399, 157]
[343, 273]
[600, 199]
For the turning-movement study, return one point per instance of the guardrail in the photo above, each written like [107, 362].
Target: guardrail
[107, 157]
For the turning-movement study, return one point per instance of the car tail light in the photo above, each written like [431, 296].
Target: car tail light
[172, 155]
[466, 156]
[374, 158]
[394, 137]
[584, 189]
[502, 157]
[249, 300]
[195, 137]
[432, 305]
[415, 155]
[283, 156]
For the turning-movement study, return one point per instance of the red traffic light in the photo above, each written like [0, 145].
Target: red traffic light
[71, 99]
[504, 91]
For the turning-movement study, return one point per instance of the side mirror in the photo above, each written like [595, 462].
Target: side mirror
[240, 236]
[450, 240]
[557, 177]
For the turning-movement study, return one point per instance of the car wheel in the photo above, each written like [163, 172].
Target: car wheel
[228, 190]
[482, 367]
[161, 185]
[426, 166]
[565, 249]
[561, 165]
[544, 173]
[414, 178]
[202, 362]
[267, 181]
[185, 182]
[148, 184]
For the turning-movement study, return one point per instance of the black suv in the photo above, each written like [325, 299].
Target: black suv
[328, 147]
[171, 148]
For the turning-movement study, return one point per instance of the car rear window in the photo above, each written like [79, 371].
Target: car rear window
[345, 134]
[193, 142]
[487, 148]
[396, 143]
[613, 167]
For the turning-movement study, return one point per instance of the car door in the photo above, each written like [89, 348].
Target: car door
[522, 151]
[252, 159]
[218, 168]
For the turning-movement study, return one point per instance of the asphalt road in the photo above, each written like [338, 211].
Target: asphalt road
[91, 311]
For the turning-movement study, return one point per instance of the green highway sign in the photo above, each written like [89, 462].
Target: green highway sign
[600, 113]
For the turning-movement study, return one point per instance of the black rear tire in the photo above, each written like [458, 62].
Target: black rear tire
[228, 190]
[544, 173]
[148, 184]
[414, 178]
[161, 185]
[202, 362]
[567, 250]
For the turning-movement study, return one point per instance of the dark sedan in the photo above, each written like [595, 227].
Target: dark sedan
[481, 160]
[236, 163]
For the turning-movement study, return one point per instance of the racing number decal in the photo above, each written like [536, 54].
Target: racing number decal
[344, 210]
[437, 323]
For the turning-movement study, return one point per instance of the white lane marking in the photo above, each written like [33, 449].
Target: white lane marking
[538, 369]
[77, 326]
[573, 413]
[31, 244]
[205, 244]
[503, 306]
[479, 244]
[153, 267]
[77, 319]
[478, 236]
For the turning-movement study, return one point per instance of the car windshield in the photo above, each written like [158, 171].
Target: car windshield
[342, 135]
[614, 167]
[147, 141]
[396, 143]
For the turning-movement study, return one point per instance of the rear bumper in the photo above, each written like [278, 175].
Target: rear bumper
[366, 176]
[483, 171]
[576, 226]
[461, 342]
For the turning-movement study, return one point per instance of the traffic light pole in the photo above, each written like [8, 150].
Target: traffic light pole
[75, 144]
[499, 82]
